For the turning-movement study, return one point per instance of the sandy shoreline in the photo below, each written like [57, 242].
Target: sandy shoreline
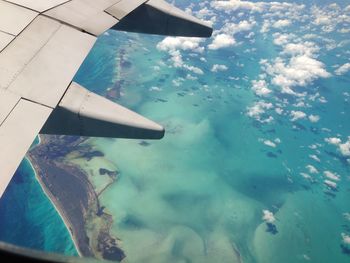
[55, 205]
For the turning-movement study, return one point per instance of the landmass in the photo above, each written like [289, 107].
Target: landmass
[74, 195]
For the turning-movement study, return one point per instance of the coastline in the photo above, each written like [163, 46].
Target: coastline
[55, 204]
[74, 196]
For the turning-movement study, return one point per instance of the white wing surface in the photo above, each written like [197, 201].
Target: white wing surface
[42, 45]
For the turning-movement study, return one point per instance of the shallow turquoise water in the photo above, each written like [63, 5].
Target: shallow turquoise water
[29, 219]
[198, 195]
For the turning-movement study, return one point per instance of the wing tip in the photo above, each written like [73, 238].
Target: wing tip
[161, 18]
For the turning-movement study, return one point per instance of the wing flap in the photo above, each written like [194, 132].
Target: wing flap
[17, 133]
[84, 113]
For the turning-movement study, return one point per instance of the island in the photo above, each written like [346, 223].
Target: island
[74, 196]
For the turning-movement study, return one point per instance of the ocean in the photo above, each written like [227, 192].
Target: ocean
[29, 219]
[254, 165]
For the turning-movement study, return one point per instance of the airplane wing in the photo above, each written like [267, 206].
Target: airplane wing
[42, 45]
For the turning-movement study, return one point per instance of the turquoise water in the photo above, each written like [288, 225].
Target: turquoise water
[230, 153]
[29, 219]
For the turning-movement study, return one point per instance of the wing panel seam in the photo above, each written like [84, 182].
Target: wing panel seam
[14, 77]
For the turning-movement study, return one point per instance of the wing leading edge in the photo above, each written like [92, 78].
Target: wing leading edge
[42, 45]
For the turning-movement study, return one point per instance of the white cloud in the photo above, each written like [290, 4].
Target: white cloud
[178, 62]
[279, 111]
[312, 169]
[334, 140]
[347, 216]
[344, 148]
[258, 109]
[155, 89]
[314, 157]
[190, 77]
[268, 217]
[232, 28]
[260, 88]
[218, 67]
[265, 27]
[346, 238]
[304, 48]
[343, 69]
[222, 41]
[306, 176]
[300, 71]
[194, 69]
[330, 184]
[282, 39]
[314, 118]
[181, 43]
[297, 115]
[234, 5]
[270, 143]
[176, 57]
[282, 23]
[177, 82]
[332, 176]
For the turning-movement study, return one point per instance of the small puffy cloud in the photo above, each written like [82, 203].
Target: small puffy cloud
[333, 140]
[314, 157]
[265, 27]
[279, 111]
[282, 23]
[347, 216]
[314, 118]
[343, 69]
[344, 148]
[218, 67]
[331, 176]
[155, 89]
[194, 69]
[346, 238]
[234, 5]
[268, 217]
[176, 58]
[258, 109]
[260, 88]
[330, 184]
[181, 43]
[305, 48]
[222, 41]
[312, 169]
[269, 143]
[301, 70]
[306, 176]
[297, 115]
[178, 62]
[282, 39]
[232, 28]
